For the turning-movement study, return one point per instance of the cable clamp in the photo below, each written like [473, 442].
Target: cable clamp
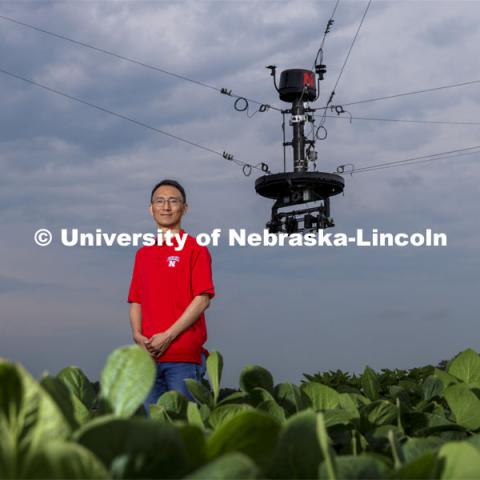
[298, 119]
[329, 24]
[331, 98]
[341, 168]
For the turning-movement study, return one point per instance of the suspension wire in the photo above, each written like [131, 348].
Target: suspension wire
[442, 87]
[247, 167]
[409, 161]
[332, 94]
[223, 91]
[420, 161]
[348, 54]
[430, 122]
[327, 30]
[284, 140]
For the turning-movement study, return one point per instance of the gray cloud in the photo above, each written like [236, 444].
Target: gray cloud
[292, 310]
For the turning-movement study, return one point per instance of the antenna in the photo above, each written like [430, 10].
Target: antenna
[304, 185]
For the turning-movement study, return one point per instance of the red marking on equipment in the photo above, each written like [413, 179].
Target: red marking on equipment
[309, 79]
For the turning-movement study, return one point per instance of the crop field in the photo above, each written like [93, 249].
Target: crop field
[415, 424]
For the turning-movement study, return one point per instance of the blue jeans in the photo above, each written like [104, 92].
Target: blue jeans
[170, 376]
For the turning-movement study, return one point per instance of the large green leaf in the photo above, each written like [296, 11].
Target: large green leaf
[417, 447]
[126, 379]
[78, 383]
[204, 413]
[298, 452]
[29, 418]
[174, 403]
[264, 401]
[8, 456]
[60, 460]
[136, 447]
[232, 466]
[223, 413]
[465, 406]
[214, 369]
[194, 417]
[432, 387]
[200, 392]
[75, 412]
[475, 440]
[258, 395]
[458, 460]
[290, 397]
[445, 377]
[423, 424]
[420, 468]
[327, 451]
[235, 397]
[272, 408]
[253, 376]
[337, 416]
[28, 414]
[321, 396]
[359, 467]
[370, 383]
[348, 403]
[414, 388]
[11, 393]
[466, 367]
[11, 398]
[359, 399]
[396, 393]
[381, 412]
[251, 432]
[158, 412]
[195, 443]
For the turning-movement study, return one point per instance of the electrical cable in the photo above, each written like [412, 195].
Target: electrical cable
[225, 155]
[419, 161]
[327, 30]
[349, 52]
[230, 157]
[443, 87]
[430, 122]
[408, 161]
[136, 62]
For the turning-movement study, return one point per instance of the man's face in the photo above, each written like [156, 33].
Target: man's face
[167, 207]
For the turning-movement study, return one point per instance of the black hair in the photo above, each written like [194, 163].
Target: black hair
[171, 183]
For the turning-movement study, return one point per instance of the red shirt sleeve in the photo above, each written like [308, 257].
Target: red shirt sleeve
[202, 273]
[134, 292]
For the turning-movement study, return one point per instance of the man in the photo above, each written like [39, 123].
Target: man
[169, 291]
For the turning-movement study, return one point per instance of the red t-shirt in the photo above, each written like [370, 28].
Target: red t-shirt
[164, 282]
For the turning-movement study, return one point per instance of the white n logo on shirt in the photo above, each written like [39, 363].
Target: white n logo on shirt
[172, 261]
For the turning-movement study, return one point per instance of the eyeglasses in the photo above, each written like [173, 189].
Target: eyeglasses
[172, 201]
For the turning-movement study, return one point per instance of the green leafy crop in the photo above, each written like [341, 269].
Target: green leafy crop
[421, 423]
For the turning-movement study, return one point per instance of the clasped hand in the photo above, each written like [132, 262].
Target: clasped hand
[158, 343]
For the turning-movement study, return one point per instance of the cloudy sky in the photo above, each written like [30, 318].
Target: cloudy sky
[292, 310]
